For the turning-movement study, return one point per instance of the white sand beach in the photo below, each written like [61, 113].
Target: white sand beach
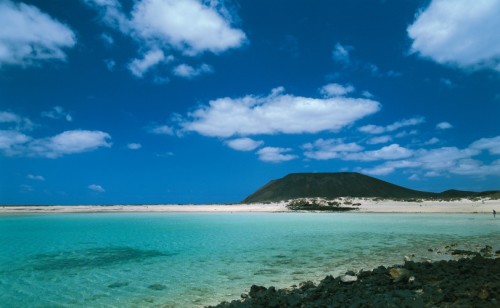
[361, 205]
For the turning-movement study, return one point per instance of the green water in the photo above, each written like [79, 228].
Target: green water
[189, 260]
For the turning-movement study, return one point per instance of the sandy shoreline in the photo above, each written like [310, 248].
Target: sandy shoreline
[364, 206]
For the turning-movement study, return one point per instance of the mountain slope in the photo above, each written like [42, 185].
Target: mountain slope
[345, 184]
[331, 185]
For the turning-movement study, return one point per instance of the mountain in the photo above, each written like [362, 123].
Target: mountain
[343, 184]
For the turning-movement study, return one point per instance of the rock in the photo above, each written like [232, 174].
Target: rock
[118, 285]
[348, 278]
[411, 280]
[487, 251]
[483, 294]
[464, 252]
[397, 274]
[157, 287]
[430, 250]
[256, 291]
[244, 295]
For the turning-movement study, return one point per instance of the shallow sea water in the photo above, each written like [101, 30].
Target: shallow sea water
[195, 259]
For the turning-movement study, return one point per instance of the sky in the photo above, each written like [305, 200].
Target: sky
[205, 101]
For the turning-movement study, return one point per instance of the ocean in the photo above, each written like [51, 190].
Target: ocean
[196, 259]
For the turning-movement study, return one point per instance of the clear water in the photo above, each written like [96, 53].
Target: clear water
[189, 260]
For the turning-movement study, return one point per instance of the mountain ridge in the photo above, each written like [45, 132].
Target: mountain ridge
[344, 184]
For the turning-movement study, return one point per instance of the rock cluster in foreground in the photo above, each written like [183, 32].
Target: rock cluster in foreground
[468, 282]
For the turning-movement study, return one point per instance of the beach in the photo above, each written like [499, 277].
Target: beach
[362, 205]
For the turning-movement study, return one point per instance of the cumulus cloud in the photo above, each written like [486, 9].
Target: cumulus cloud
[28, 36]
[9, 139]
[139, 67]
[492, 145]
[324, 149]
[275, 155]
[68, 142]
[276, 113]
[58, 113]
[134, 146]
[444, 125]
[189, 72]
[460, 32]
[448, 160]
[13, 143]
[189, 27]
[379, 139]
[375, 129]
[335, 89]
[15, 122]
[244, 144]
[390, 152]
[35, 177]
[95, 187]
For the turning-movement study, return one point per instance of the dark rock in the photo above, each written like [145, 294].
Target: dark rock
[468, 282]
[118, 285]
[157, 287]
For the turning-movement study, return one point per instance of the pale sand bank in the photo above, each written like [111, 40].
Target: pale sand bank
[366, 206]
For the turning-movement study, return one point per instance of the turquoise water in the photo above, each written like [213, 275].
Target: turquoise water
[188, 260]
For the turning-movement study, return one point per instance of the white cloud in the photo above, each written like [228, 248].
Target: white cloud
[459, 32]
[244, 144]
[389, 167]
[28, 35]
[162, 130]
[189, 72]
[390, 152]
[10, 139]
[335, 89]
[186, 25]
[491, 145]
[379, 139]
[35, 177]
[448, 160]
[433, 140]
[372, 129]
[97, 188]
[58, 113]
[134, 146]
[276, 113]
[68, 142]
[375, 129]
[341, 54]
[139, 67]
[13, 121]
[444, 125]
[9, 117]
[275, 155]
[323, 149]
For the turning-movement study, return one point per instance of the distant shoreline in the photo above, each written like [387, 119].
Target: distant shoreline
[360, 205]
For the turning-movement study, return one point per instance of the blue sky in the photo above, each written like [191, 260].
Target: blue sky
[181, 101]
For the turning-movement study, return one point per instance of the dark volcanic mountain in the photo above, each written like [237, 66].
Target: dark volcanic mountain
[342, 184]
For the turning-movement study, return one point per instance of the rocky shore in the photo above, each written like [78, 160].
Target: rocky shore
[471, 281]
